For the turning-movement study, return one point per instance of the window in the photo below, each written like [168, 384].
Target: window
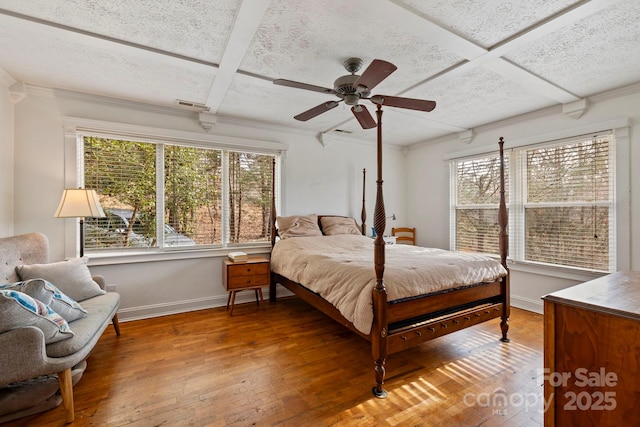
[560, 201]
[477, 191]
[172, 195]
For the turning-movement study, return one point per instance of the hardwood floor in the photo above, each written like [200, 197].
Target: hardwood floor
[286, 364]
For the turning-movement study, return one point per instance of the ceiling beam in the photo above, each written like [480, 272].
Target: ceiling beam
[492, 59]
[245, 25]
[386, 11]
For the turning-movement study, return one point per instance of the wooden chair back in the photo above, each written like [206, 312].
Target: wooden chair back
[404, 235]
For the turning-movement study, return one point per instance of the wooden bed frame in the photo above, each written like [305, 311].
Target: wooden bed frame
[399, 325]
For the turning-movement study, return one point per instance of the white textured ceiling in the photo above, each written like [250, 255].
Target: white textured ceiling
[480, 60]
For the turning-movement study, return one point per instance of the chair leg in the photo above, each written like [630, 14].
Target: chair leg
[116, 324]
[66, 389]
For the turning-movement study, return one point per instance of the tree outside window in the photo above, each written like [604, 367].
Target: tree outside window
[133, 177]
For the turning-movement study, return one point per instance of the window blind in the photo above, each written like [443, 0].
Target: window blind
[568, 204]
[477, 199]
[248, 207]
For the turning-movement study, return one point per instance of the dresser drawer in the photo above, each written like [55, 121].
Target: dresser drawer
[237, 282]
[248, 269]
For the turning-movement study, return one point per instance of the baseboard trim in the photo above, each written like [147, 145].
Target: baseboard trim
[176, 307]
[527, 304]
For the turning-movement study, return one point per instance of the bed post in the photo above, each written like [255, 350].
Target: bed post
[272, 283]
[363, 214]
[379, 330]
[503, 238]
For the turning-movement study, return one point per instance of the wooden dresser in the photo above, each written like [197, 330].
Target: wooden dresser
[592, 353]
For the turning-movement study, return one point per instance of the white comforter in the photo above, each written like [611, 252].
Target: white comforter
[341, 269]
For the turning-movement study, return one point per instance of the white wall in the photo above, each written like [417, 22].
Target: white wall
[317, 178]
[428, 183]
[6, 156]
[324, 180]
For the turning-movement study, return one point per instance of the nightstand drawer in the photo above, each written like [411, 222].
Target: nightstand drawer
[248, 269]
[236, 282]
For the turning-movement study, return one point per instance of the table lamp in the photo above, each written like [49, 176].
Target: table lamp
[79, 203]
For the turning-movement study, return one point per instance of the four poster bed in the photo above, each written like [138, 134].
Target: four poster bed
[407, 306]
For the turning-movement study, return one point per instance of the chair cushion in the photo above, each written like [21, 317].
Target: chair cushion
[71, 276]
[88, 329]
[18, 310]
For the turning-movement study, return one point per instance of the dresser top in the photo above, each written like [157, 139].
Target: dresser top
[617, 293]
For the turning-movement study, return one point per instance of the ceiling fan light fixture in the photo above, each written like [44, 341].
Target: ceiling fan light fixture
[351, 99]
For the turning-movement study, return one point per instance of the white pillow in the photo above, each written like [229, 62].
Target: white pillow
[71, 276]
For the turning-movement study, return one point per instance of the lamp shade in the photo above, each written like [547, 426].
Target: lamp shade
[79, 203]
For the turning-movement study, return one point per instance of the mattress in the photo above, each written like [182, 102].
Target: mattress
[341, 269]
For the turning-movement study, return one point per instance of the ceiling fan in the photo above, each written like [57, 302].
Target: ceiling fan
[353, 88]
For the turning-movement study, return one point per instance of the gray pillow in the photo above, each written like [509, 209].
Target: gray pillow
[72, 277]
[49, 294]
[18, 310]
[332, 225]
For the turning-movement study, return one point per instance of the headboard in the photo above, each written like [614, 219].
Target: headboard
[274, 214]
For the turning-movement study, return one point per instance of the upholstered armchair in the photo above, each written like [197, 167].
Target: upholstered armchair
[36, 341]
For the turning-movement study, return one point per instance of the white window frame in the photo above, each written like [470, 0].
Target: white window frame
[75, 128]
[620, 162]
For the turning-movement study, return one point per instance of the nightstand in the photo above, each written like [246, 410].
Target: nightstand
[253, 274]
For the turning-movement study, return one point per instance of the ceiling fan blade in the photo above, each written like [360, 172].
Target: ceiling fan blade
[315, 111]
[400, 102]
[298, 85]
[376, 72]
[364, 117]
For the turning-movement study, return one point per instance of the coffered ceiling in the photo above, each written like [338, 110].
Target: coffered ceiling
[480, 60]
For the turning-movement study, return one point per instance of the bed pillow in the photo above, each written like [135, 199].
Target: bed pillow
[332, 225]
[49, 294]
[18, 310]
[298, 226]
[71, 276]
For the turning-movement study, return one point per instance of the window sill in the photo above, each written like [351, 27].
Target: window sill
[555, 271]
[144, 256]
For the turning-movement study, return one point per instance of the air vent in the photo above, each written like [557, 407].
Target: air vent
[342, 131]
[194, 106]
